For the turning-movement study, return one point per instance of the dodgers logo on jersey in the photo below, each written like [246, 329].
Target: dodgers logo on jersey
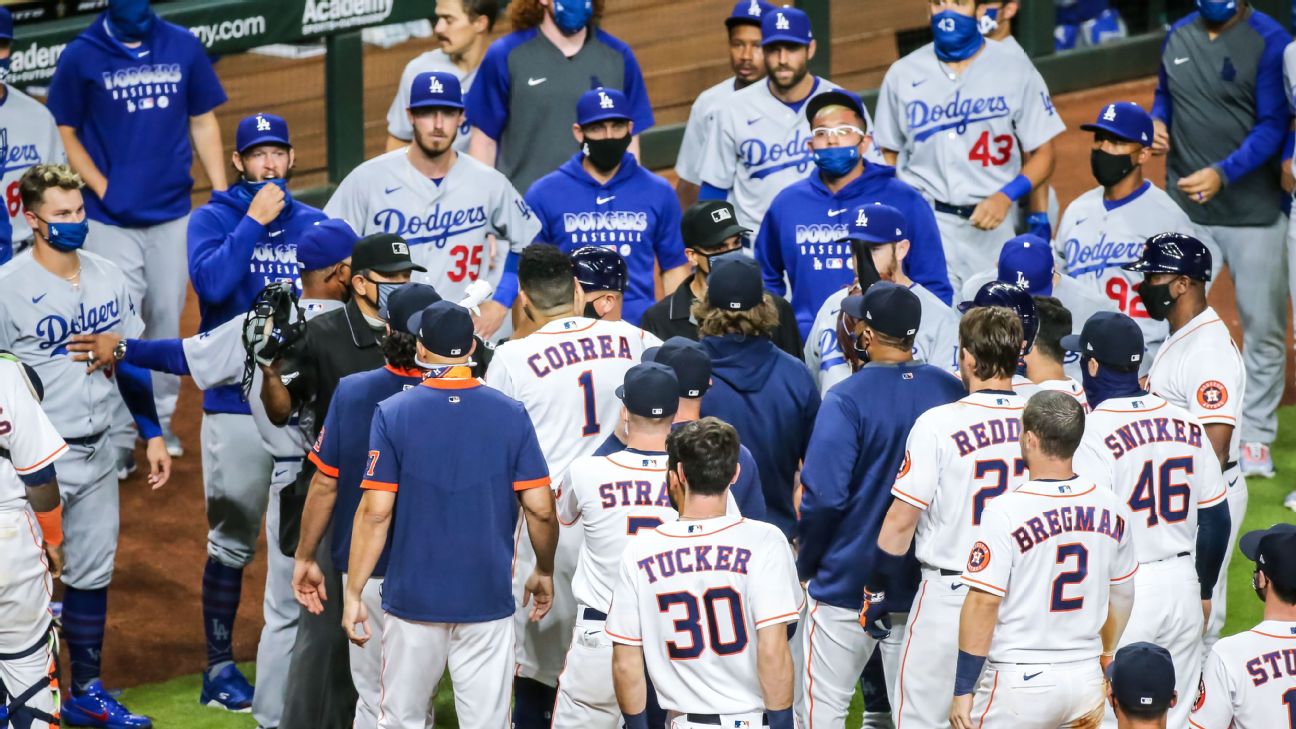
[144, 82]
[763, 159]
[437, 227]
[18, 157]
[1094, 258]
[274, 262]
[957, 113]
[595, 228]
[56, 330]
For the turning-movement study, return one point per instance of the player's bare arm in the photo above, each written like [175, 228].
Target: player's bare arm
[1119, 604]
[891, 156]
[542, 528]
[628, 678]
[976, 627]
[482, 147]
[1160, 137]
[368, 535]
[1220, 434]
[44, 500]
[774, 666]
[80, 161]
[94, 349]
[308, 579]
[898, 527]
[672, 279]
[205, 131]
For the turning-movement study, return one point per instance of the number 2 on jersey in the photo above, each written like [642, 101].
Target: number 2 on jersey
[992, 152]
[1060, 603]
[691, 624]
[997, 470]
[586, 383]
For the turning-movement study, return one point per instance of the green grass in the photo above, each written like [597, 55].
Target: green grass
[174, 703]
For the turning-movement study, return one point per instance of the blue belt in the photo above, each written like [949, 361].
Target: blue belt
[590, 613]
[963, 211]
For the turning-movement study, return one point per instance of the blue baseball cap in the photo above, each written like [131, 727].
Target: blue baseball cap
[600, 104]
[263, 128]
[747, 12]
[1109, 337]
[6, 23]
[887, 307]
[786, 25]
[735, 285]
[405, 304]
[445, 329]
[690, 361]
[1142, 677]
[875, 223]
[436, 88]
[1027, 262]
[650, 390]
[1126, 120]
[325, 243]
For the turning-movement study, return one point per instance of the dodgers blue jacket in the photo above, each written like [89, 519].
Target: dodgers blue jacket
[232, 257]
[769, 397]
[636, 214]
[851, 463]
[800, 233]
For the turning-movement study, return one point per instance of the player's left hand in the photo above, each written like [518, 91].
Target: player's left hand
[874, 618]
[492, 316]
[990, 212]
[355, 620]
[54, 556]
[159, 462]
[96, 349]
[1201, 185]
[308, 585]
[540, 587]
[960, 715]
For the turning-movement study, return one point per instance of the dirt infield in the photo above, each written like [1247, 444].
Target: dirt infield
[155, 617]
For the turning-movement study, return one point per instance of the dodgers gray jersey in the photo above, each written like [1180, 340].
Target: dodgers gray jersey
[39, 313]
[398, 124]
[445, 225]
[28, 136]
[688, 163]
[958, 136]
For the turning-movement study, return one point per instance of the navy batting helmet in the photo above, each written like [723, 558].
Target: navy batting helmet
[1176, 253]
[599, 269]
[1013, 297]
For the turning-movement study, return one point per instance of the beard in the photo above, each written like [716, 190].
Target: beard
[797, 75]
[433, 146]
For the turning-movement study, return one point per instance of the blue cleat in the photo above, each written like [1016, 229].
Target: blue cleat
[229, 691]
[96, 707]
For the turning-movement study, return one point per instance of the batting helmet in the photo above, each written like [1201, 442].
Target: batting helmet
[1014, 298]
[1176, 253]
[599, 269]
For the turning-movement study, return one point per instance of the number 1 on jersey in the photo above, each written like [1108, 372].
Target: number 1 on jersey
[586, 383]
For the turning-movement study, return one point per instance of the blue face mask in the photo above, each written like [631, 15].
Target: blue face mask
[1217, 11]
[67, 237]
[572, 15]
[130, 20]
[1108, 383]
[956, 36]
[836, 161]
[255, 187]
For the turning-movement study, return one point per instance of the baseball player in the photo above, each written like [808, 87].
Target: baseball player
[31, 542]
[1141, 686]
[566, 373]
[602, 275]
[602, 197]
[1198, 368]
[451, 501]
[958, 458]
[855, 452]
[46, 295]
[1014, 298]
[1249, 681]
[801, 237]
[756, 141]
[462, 30]
[879, 243]
[956, 117]
[442, 203]
[1106, 226]
[747, 61]
[29, 137]
[692, 595]
[1049, 575]
[1154, 456]
[1045, 362]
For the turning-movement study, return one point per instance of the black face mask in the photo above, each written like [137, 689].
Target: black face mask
[1157, 299]
[590, 311]
[1109, 169]
[606, 154]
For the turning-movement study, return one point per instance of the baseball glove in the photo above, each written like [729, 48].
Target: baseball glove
[273, 324]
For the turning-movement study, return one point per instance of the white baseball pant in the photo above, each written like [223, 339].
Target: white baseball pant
[754, 720]
[1040, 696]
[280, 607]
[1237, 506]
[24, 672]
[925, 684]
[25, 582]
[415, 655]
[968, 249]
[366, 660]
[586, 699]
[835, 651]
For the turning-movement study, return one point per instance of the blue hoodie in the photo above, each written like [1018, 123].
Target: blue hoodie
[131, 110]
[769, 397]
[636, 214]
[232, 257]
[800, 233]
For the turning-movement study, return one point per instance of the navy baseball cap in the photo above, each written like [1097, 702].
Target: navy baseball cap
[1027, 262]
[1109, 337]
[876, 223]
[735, 285]
[263, 128]
[1176, 253]
[1142, 677]
[599, 269]
[601, 104]
[445, 329]
[405, 304]
[1274, 552]
[650, 390]
[6, 23]
[690, 361]
[839, 97]
[747, 12]
[325, 243]
[786, 25]
[887, 307]
[435, 89]
[384, 253]
[1126, 120]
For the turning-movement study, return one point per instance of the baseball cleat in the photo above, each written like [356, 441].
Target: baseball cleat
[96, 707]
[229, 690]
[173, 445]
[1256, 460]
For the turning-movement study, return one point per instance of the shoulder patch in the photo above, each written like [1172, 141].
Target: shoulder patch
[979, 558]
[904, 467]
[1212, 395]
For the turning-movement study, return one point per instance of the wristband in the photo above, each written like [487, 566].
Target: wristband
[967, 673]
[636, 721]
[51, 524]
[1019, 188]
[781, 719]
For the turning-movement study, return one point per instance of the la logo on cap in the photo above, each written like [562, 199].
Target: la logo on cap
[720, 215]
[782, 22]
[605, 101]
[399, 248]
[754, 9]
[263, 124]
[1021, 280]
[1110, 113]
[861, 220]
[435, 87]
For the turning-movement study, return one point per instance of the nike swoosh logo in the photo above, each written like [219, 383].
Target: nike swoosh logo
[276, 233]
[1180, 61]
[536, 81]
[753, 121]
[916, 84]
[1232, 483]
[390, 190]
[37, 299]
[835, 213]
[1080, 220]
[601, 200]
[956, 585]
[1029, 676]
[98, 715]
[288, 377]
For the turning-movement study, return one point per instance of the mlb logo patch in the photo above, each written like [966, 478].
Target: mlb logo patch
[740, 724]
[645, 463]
[399, 248]
[721, 215]
[454, 399]
[694, 528]
[1064, 488]
[907, 376]
[835, 263]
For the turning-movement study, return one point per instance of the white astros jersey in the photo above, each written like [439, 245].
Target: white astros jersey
[398, 123]
[1052, 550]
[688, 163]
[39, 313]
[1026, 388]
[693, 594]
[1200, 369]
[445, 225]
[959, 458]
[1250, 680]
[958, 136]
[28, 137]
[26, 434]
[936, 342]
